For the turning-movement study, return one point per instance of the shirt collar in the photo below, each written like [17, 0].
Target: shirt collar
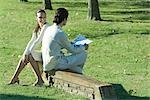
[57, 26]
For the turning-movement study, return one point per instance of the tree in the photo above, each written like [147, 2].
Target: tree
[93, 10]
[47, 4]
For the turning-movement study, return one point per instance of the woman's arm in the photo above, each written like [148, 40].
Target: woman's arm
[39, 39]
[33, 38]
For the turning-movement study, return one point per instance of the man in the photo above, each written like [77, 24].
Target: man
[54, 40]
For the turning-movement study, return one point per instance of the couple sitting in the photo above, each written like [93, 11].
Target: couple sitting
[53, 40]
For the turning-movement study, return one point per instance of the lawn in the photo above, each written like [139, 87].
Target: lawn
[119, 54]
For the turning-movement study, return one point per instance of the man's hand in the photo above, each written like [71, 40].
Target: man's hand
[86, 46]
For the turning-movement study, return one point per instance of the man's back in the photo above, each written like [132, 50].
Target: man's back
[51, 47]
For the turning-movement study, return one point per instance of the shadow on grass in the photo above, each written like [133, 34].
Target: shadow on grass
[143, 4]
[97, 36]
[124, 95]
[72, 4]
[113, 32]
[135, 15]
[133, 20]
[145, 33]
[126, 4]
[131, 12]
[132, 15]
[19, 97]
[33, 2]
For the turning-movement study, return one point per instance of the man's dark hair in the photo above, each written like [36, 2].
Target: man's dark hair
[60, 15]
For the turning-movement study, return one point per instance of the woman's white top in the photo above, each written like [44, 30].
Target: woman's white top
[36, 54]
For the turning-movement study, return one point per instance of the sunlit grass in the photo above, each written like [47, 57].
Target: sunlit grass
[119, 54]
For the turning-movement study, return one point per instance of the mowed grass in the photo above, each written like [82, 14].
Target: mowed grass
[119, 54]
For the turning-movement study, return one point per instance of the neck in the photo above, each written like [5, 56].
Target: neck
[41, 25]
[61, 24]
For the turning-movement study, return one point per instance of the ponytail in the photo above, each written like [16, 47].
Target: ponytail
[60, 15]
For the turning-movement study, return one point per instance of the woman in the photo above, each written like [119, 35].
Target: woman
[32, 56]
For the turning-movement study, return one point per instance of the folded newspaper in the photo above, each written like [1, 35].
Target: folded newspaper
[81, 40]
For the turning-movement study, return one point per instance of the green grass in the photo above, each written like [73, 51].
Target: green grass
[120, 53]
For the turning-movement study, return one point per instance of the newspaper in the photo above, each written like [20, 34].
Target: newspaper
[81, 40]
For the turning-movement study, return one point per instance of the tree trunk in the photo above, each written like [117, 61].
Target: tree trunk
[93, 10]
[24, 0]
[47, 4]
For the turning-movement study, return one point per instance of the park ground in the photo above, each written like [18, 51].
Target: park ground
[119, 54]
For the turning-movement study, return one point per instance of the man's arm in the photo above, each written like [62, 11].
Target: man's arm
[70, 47]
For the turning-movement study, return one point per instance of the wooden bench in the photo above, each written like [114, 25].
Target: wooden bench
[82, 85]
